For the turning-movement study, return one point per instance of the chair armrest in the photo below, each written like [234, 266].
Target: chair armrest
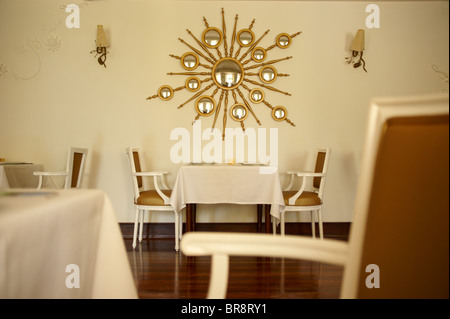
[149, 173]
[65, 173]
[291, 180]
[163, 180]
[309, 174]
[296, 172]
[299, 174]
[264, 245]
[302, 188]
[305, 173]
[50, 174]
[222, 245]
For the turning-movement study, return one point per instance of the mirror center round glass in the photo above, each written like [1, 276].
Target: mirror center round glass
[228, 73]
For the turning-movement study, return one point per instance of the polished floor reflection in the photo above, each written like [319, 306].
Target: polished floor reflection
[160, 272]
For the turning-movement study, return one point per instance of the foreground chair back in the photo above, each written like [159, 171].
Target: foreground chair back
[74, 173]
[402, 206]
[307, 200]
[399, 240]
[146, 199]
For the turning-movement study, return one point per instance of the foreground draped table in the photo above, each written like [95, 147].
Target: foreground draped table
[61, 244]
[227, 184]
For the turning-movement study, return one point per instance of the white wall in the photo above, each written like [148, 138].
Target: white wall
[50, 100]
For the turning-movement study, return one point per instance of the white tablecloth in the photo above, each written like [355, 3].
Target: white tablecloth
[3, 180]
[227, 184]
[44, 232]
[21, 175]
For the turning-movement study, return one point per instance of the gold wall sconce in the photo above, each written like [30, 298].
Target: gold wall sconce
[101, 44]
[357, 51]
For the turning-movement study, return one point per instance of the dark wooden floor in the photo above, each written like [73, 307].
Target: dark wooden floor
[162, 273]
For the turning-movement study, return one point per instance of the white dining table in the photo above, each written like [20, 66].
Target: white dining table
[61, 244]
[3, 179]
[20, 175]
[228, 184]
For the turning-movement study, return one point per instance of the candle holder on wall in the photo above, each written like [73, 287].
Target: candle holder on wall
[102, 45]
[229, 70]
[357, 51]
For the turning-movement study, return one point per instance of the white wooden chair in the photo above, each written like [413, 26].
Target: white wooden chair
[74, 172]
[304, 200]
[145, 199]
[399, 240]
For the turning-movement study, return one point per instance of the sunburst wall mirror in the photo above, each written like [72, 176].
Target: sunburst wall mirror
[216, 64]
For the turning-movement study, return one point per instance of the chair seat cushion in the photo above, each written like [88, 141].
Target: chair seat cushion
[152, 198]
[305, 199]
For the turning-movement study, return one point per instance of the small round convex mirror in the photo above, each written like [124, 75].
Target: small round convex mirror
[245, 37]
[193, 83]
[268, 74]
[189, 61]
[212, 37]
[165, 92]
[257, 96]
[205, 105]
[279, 113]
[238, 112]
[283, 40]
[258, 54]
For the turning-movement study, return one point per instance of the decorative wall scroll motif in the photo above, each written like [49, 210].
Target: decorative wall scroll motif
[24, 53]
[442, 75]
[228, 66]
[3, 69]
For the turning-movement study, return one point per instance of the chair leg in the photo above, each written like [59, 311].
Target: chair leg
[40, 182]
[141, 226]
[135, 228]
[177, 239]
[319, 212]
[282, 223]
[313, 224]
[180, 234]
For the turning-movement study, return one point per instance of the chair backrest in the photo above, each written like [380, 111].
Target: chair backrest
[134, 159]
[322, 159]
[400, 233]
[75, 166]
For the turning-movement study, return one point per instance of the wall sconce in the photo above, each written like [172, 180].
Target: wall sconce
[357, 51]
[101, 44]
